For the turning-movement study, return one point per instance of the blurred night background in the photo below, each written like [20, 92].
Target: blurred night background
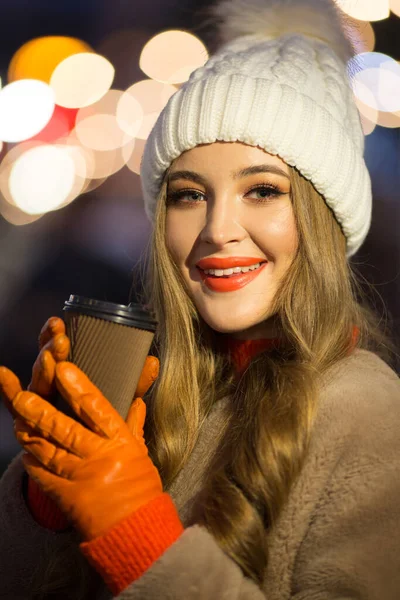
[90, 242]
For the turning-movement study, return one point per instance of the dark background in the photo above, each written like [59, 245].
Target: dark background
[91, 246]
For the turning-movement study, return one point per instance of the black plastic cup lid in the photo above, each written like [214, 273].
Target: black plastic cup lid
[133, 314]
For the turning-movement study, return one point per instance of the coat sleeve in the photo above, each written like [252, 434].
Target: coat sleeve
[33, 558]
[193, 568]
[352, 545]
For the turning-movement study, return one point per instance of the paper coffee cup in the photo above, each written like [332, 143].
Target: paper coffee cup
[109, 343]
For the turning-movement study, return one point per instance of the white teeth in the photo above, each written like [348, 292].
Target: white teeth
[222, 272]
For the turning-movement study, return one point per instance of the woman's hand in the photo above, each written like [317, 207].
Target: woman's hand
[96, 477]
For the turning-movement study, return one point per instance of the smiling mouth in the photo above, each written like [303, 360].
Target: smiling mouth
[233, 275]
[230, 283]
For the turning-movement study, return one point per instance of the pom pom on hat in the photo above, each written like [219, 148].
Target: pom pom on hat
[321, 20]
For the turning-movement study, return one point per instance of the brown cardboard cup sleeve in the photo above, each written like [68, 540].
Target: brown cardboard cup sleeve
[109, 343]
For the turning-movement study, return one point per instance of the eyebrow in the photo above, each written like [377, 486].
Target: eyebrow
[253, 170]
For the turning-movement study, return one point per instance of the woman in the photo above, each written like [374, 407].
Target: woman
[267, 465]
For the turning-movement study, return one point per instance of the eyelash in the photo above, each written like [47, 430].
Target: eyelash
[175, 197]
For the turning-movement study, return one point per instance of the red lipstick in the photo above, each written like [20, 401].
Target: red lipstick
[216, 262]
[232, 282]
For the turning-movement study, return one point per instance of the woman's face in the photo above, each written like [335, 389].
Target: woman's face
[227, 212]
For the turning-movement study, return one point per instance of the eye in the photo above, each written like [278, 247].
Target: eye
[181, 196]
[266, 192]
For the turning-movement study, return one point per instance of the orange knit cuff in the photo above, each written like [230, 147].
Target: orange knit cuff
[127, 550]
[43, 509]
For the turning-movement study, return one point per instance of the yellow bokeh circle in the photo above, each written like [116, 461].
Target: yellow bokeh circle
[38, 58]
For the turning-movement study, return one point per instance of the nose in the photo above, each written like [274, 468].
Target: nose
[222, 223]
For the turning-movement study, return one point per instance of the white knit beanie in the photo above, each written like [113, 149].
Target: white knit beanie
[279, 81]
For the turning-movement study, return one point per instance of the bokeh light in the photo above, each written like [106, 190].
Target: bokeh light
[6, 165]
[395, 7]
[129, 114]
[92, 184]
[367, 125]
[37, 178]
[42, 179]
[61, 123]
[26, 106]
[83, 166]
[105, 162]
[365, 10]
[362, 35]
[171, 56]
[108, 163]
[381, 82]
[391, 120]
[368, 112]
[97, 126]
[14, 215]
[38, 58]
[152, 96]
[81, 80]
[85, 162]
[14, 151]
[133, 162]
[380, 74]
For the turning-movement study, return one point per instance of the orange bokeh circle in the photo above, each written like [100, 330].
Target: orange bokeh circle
[38, 58]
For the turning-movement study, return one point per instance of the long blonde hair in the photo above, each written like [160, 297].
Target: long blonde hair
[251, 476]
[273, 405]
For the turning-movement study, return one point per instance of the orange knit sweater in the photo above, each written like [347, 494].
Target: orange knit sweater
[127, 550]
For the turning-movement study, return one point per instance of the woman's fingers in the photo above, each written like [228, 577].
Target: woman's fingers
[43, 372]
[148, 376]
[37, 417]
[54, 346]
[10, 386]
[58, 460]
[136, 418]
[54, 426]
[46, 479]
[53, 327]
[88, 402]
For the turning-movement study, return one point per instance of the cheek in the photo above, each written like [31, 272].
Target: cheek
[179, 237]
[279, 234]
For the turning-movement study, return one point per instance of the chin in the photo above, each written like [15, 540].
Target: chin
[229, 329]
[221, 322]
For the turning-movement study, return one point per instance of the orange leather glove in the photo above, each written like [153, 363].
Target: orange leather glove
[96, 477]
[53, 347]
